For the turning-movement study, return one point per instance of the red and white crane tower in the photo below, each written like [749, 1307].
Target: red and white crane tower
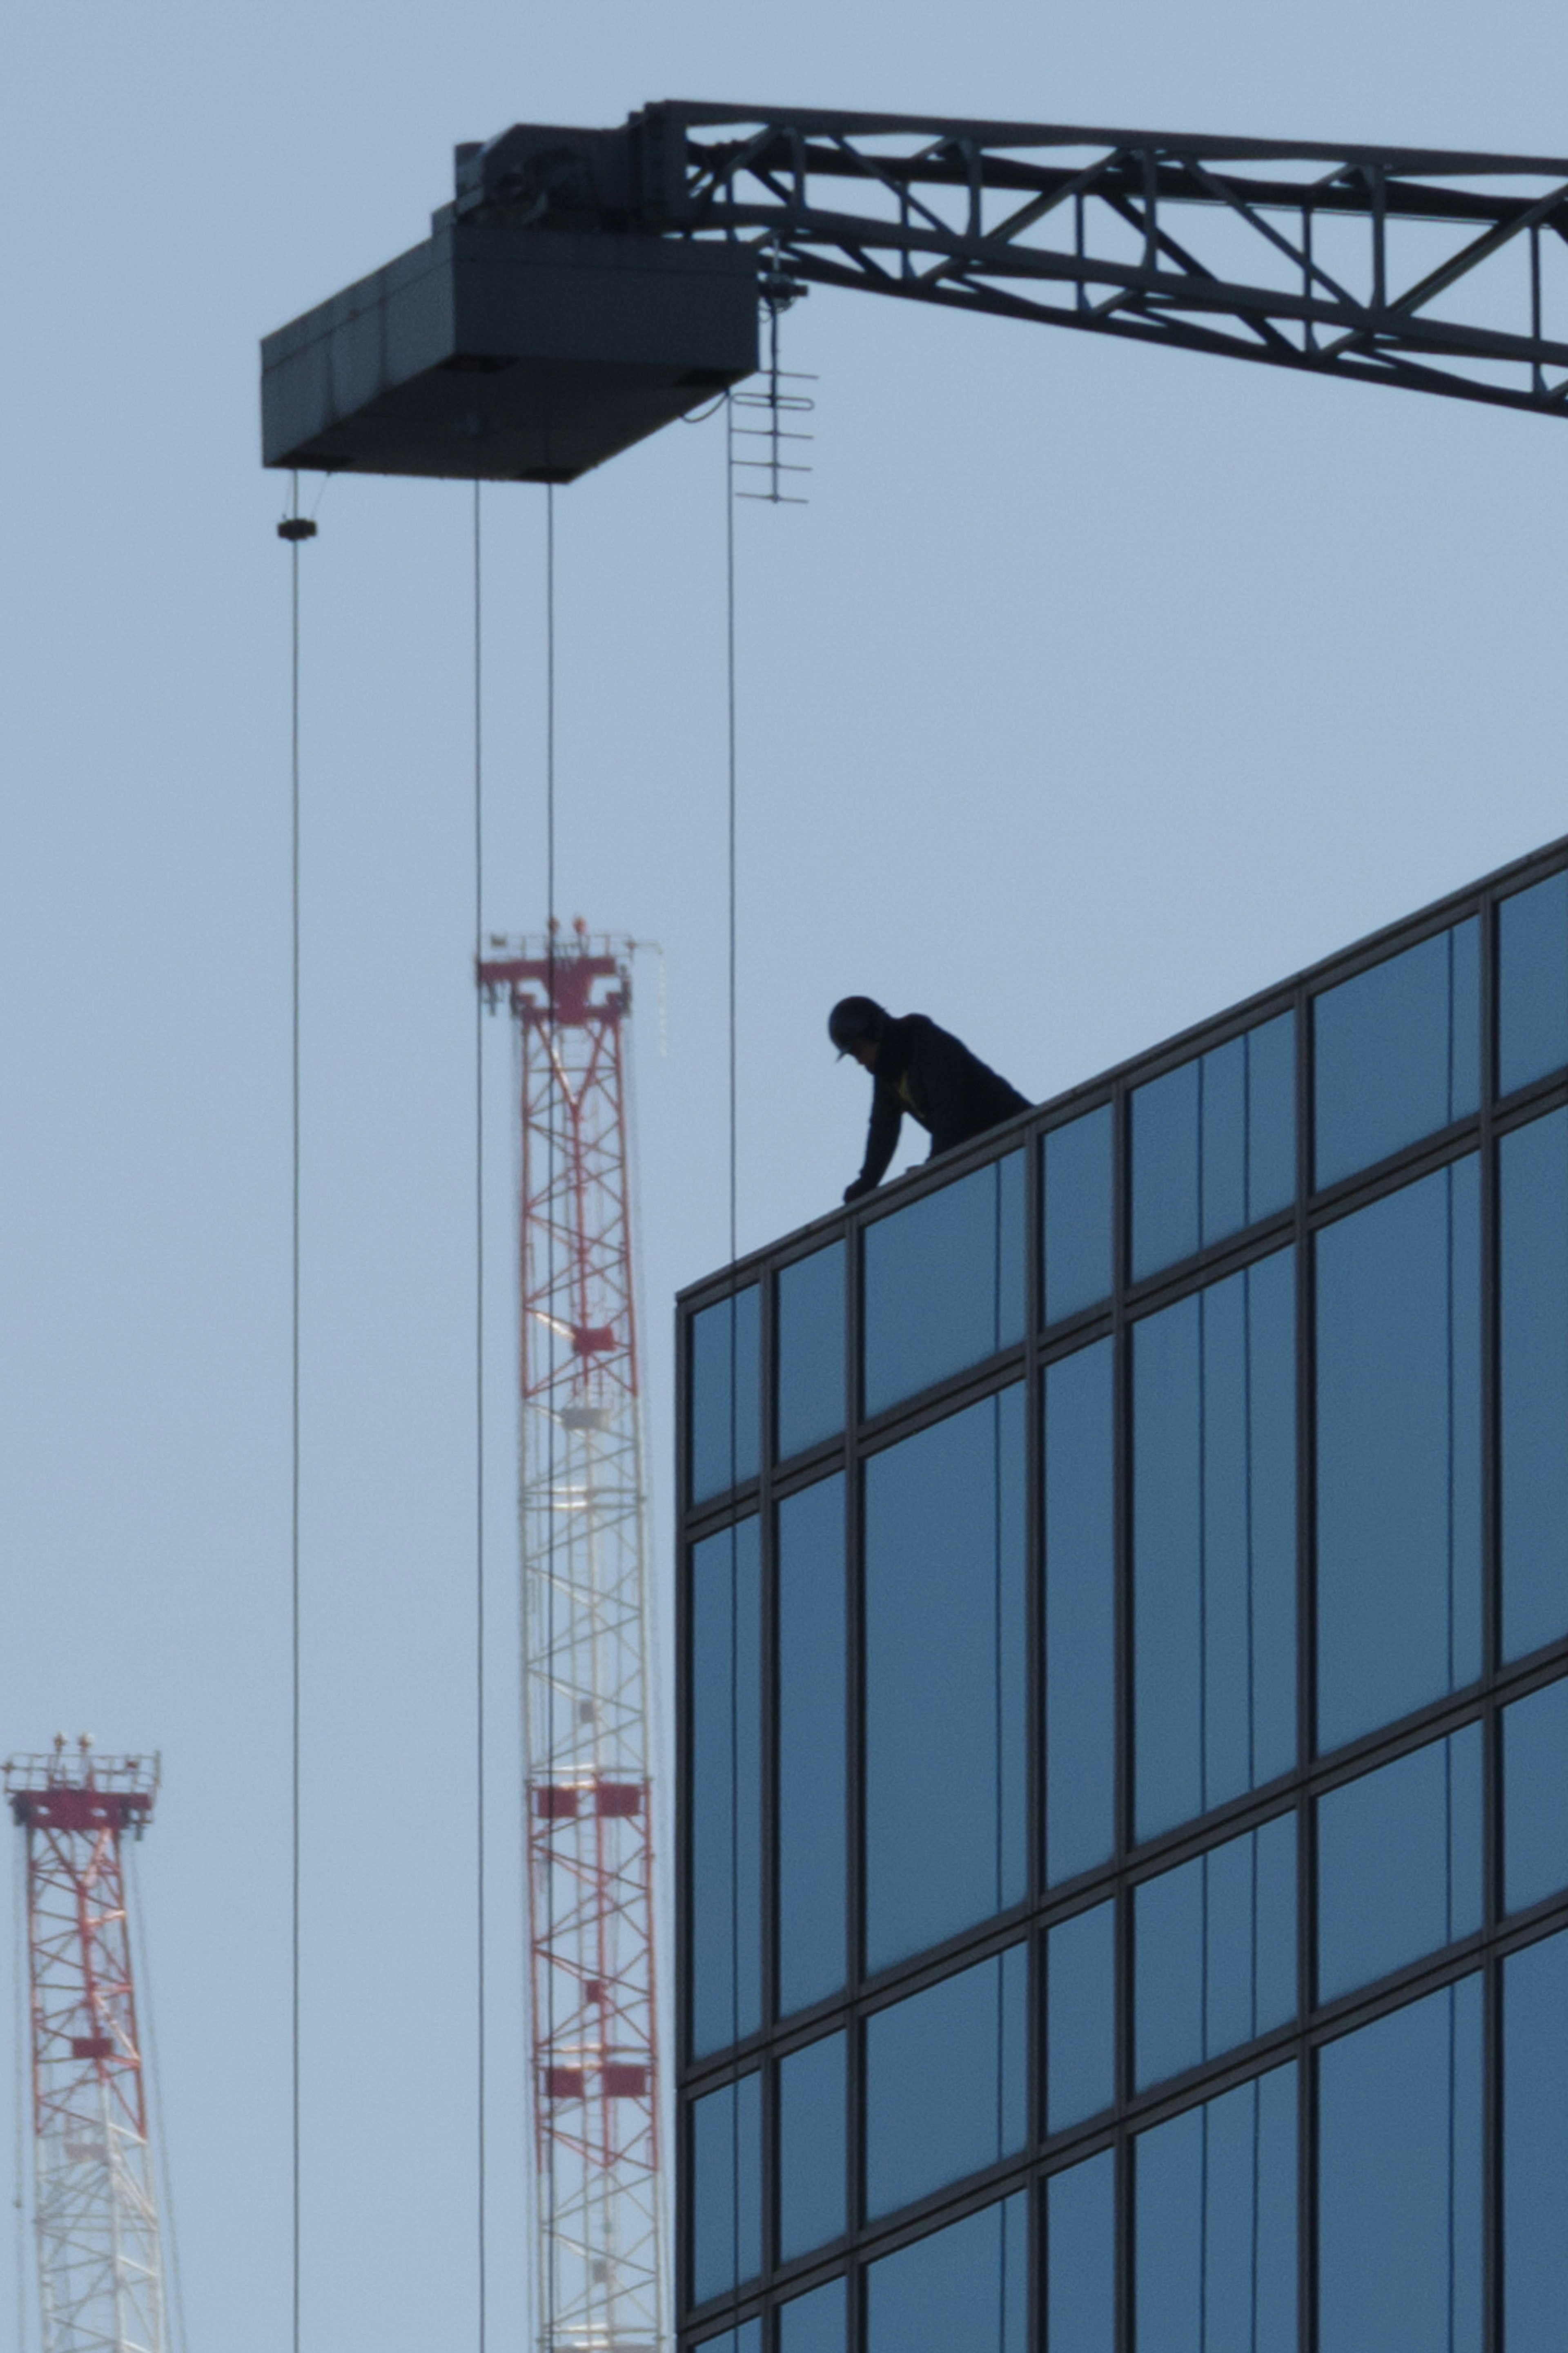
[95, 2205]
[599, 2243]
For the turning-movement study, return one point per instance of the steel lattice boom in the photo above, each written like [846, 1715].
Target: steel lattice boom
[600, 2258]
[1443, 271]
[95, 2206]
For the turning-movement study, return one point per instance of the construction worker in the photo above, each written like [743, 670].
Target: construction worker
[921, 1069]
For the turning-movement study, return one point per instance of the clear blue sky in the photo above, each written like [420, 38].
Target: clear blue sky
[1096, 688]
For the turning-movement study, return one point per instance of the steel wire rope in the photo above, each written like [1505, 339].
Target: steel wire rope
[734, 1318]
[162, 2170]
[18, 2191]
[295, 542]
[480, 1989]
[554, 1147]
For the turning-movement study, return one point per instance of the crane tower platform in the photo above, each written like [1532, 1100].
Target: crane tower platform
[596, 2091]
[101, 2265]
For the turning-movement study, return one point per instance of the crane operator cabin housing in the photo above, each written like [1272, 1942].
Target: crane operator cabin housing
[1124, 1703]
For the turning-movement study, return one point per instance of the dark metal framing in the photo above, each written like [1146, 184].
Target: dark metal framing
[1481, 1701]
[1210, 244]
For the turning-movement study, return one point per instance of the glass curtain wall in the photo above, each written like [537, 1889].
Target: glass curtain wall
[1123, 1704]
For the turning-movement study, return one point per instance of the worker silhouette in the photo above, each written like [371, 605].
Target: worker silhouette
[918, 1068]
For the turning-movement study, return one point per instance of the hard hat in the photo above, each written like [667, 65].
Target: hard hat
[856, 1022]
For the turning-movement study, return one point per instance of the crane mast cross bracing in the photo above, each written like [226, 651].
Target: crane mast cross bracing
[585, 1670]
[95, 2211]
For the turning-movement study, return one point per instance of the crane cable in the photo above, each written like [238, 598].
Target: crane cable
[480, 2002]
[295, 530]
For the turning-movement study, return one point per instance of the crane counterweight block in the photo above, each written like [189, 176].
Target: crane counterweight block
[508, 354]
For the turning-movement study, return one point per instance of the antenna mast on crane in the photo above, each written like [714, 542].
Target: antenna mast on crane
[100, 2266]
[599, 2254]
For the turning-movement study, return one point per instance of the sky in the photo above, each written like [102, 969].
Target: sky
[1095, 687]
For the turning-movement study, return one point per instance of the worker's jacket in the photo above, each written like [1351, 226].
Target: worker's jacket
[927, 1073]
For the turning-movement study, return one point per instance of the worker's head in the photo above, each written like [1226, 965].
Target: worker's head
[856, 1025]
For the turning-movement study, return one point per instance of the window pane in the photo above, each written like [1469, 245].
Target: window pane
[944, 1676]
[726, 1394]
[1214, 1951]
[1213, 1146]
[1215, 1544]
[944, 1283]
[1399, 2181]
[813, 2161]
[1080, 1612]
[1077, 1211]
[726, 1788]
[817, 2323]
[1532, 983]
[812, 1733]
[1399, 1863]
[1397, 1051]
[1535, 2146]
[747, 2339]
[1536, 1797]
[810, 1303]
[726, 2188]
[1081, 2017]
[1533, 1281]
[1216, 2206]
[1080, 2257]
[946, 2077]
[1399, 1413]
[963, 2290]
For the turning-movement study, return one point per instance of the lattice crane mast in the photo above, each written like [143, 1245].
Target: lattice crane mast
[599, 2190]
[95, 2206]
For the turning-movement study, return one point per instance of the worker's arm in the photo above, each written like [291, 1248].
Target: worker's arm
[881, 1141]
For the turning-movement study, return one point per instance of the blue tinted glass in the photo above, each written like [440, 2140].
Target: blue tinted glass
[1215, 1544]
[944, 1679]
[817, 2323]
[1167, 1183]
[1078, 1197]
[944, 1283]
[1535, 2146]
[1080, 2257]
[726, 1788]
[812, 1732]
[1399, 1863]
[1080, 1612]
[1399, 2181]
[1399, 1485]
[946, 2080]
[1214, 1951]
[1536, 1797]
[1081, 2017]
[747, 2339]
[1215, 2209]
[1532, 983]
[1397, 1051]
[813, 2178]
[1533, 1284]
[726, 1394]
[963, 2290]
[810, 1304]
[1213, 1146]
[726, 2188]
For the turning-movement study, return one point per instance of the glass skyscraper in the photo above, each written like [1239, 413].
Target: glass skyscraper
[1124, 1703]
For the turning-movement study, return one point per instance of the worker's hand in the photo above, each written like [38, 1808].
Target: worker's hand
[861, 1186]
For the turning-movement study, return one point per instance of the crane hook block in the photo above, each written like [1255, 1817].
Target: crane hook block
[521, 341]
[295, 527]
